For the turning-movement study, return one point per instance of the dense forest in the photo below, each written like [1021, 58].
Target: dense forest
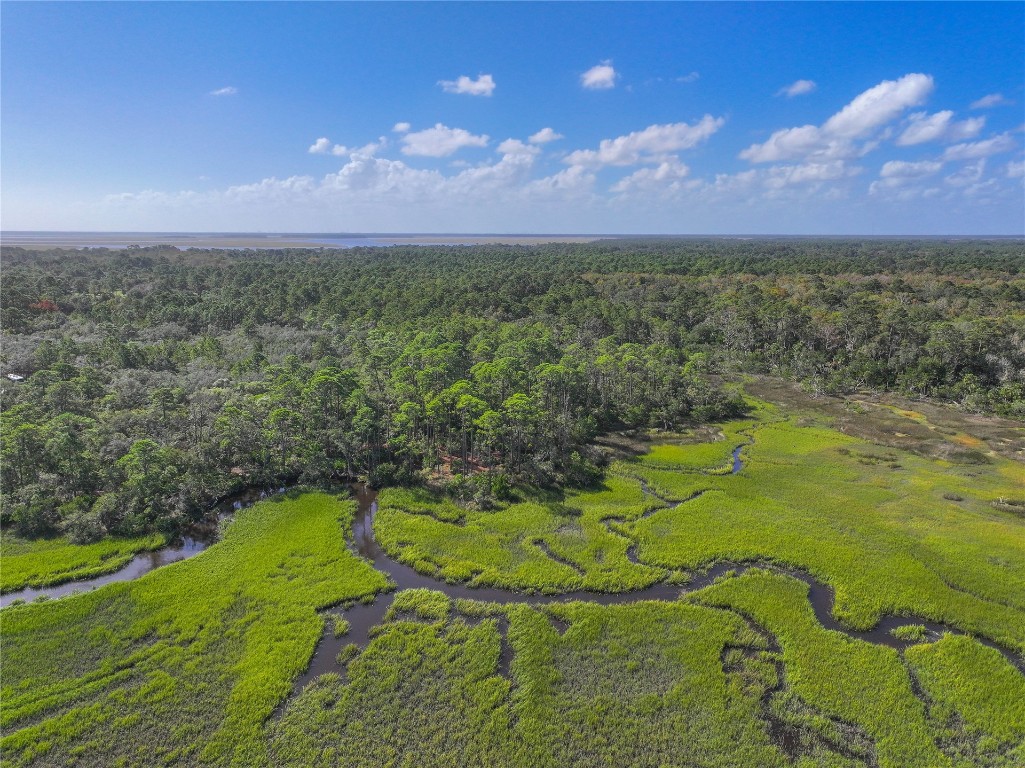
[156, 380]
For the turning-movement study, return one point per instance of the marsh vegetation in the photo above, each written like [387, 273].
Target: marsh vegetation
[676, 615]
[596, 531]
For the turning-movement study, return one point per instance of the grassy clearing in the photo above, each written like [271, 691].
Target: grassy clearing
[649, 684]
[507, 548]
[871, 522]
[978, 700]
[712, 457]
[637, 685]
[185, 664]
[891, 531]
[420, 694]
[852, 680]
[46, 562]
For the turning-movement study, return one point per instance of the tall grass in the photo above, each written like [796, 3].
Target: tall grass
[46, 562]
[185, 664]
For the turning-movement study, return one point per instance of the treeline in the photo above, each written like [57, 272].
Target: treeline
[157, 380]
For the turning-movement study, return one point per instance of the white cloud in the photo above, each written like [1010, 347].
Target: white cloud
[484, 85]
[899, 177]
[270, 189]
[905, 170]
[976, 149]
[654, 189]
[923, 127]
[967, 175]
[779, 176]
[665, 177]
[879, 105]
[648, 145]
[516, 147]
[228, 90]
[689, 78]
[734, 183]
[797, 88]
[990, 100]
[370, 179]
[816, 181]
[503, 179]
[321, 146]
[573, 181]
[544, 136]
[806, 141]
[368, 150]
[440, 141]
[980, 190]
[600, 77]
[965, 129]
[835, 139]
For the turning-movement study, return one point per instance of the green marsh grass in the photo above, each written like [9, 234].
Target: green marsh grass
[852, 680]
[883, 537]
[978, 699]
[46, 562]
[501, 548]
[875, 523]
[188, 664]
[638, 685]
[185, 664]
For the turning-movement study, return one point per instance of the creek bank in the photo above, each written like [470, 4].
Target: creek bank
[363, 618]
[199, 537]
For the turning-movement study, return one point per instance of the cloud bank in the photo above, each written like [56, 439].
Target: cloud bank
[457, 178]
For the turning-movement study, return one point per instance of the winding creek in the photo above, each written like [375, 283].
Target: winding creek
[363, 618]
[141, 564]
[144, 562]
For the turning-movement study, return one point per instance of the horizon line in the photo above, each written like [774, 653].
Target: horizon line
[414, 233]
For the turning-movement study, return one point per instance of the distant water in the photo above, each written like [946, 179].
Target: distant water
[363, 242]
[244, 240]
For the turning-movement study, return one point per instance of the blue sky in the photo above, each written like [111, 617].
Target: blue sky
[803, 118]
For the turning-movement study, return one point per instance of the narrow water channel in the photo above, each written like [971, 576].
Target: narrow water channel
[144, 562]
[187, 546]
[363, 618]
[139, 565]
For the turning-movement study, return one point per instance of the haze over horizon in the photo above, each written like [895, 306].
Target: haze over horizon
[674, 119]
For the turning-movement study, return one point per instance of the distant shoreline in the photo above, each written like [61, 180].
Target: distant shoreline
[237, 240]
[39, 240]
